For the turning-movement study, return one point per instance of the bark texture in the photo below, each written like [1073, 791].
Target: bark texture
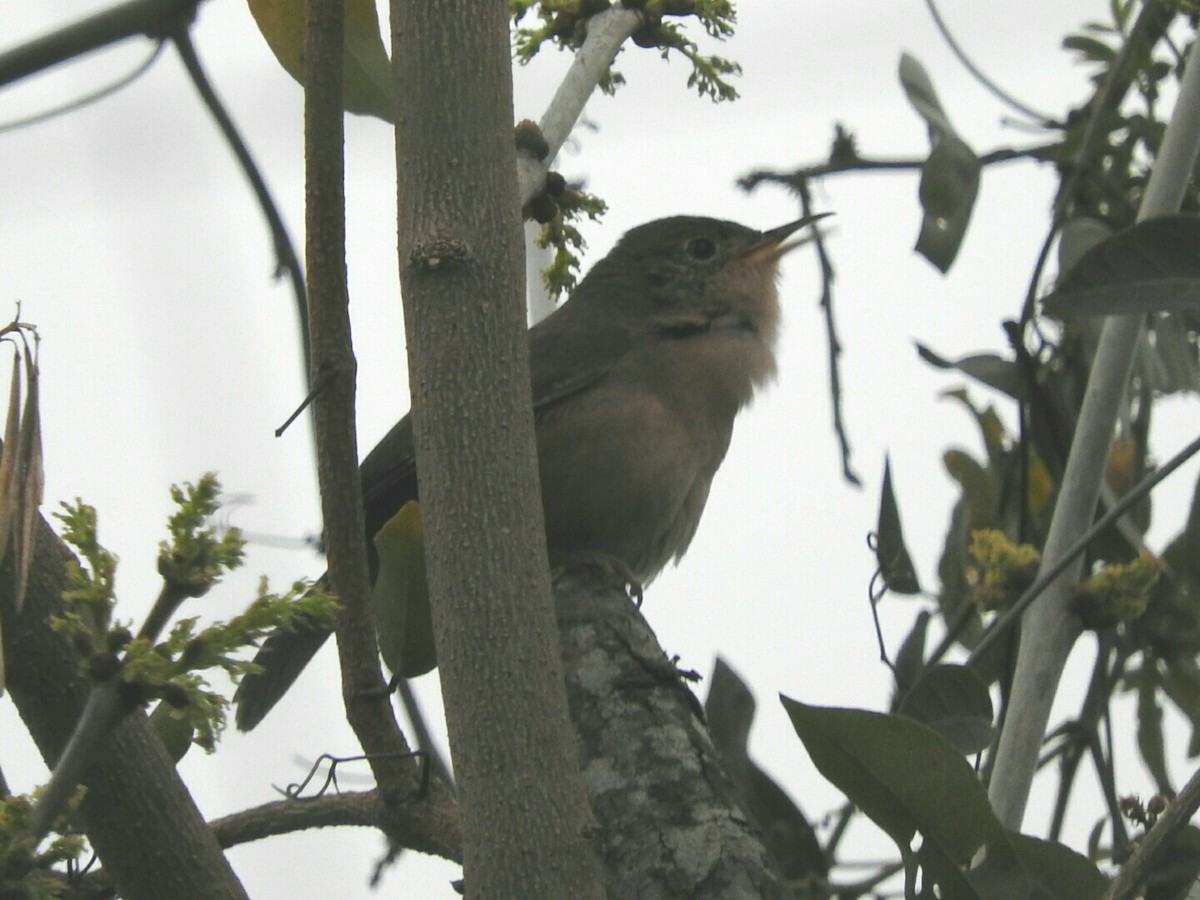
[671, 826]
[527, 830]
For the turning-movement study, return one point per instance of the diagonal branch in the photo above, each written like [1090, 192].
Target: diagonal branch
[1050, 627]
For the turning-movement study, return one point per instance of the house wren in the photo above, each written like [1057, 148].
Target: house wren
[636, 380]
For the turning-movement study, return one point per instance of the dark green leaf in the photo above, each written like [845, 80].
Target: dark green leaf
[789, 837]
[953, 701]
[1060, 872]
[1079, 235]
[1089, 48]
[986, 368]
[890, 552]
[1021, 866]
[1176, 866]
[902, 775]
[910, 658]
[949, 186]
[729, 709]
[1149, 732]
[1153, 266]
[949, 177]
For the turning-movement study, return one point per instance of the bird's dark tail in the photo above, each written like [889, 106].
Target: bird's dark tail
[283, 657]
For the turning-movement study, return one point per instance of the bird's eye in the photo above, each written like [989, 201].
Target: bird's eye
[700, 248]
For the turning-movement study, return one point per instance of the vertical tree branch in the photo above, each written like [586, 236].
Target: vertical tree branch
[527, 829]
[368, 709]
[1050, 628]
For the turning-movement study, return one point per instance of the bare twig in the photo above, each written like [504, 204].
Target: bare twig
[285, 254]
[834, 343]
[975, 71]
[1072, 553]
[153, 18]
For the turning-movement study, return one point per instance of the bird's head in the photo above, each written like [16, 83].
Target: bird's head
[688, 274]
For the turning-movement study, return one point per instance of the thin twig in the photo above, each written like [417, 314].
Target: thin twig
[852, 162]
[1045, 578]
[89, 98]
[986, 82]
[369, 713]
[833, 341]
[153, 18]
[285, 254]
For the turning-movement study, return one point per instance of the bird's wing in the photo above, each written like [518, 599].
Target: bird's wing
[389, 476]
[389, 479]
[568, 355]
[283, 656]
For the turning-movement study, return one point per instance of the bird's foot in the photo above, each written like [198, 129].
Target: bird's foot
[596, 562]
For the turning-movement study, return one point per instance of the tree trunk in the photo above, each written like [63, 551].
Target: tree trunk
[527, 829]
[670, 822]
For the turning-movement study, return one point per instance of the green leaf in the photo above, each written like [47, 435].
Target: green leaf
[949, 177]
[954, 702]
[986, 368]
[910, 658]
[1153, 266]
[789, 838]
[920, 92]
[890, 553]
[1089, 48]
[1149, 732]
[367, 74]
[1019, 865]
[175, 731]
[903, 775]
[949, 186]
[400, 597]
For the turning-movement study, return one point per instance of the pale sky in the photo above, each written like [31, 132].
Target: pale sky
[131, 241]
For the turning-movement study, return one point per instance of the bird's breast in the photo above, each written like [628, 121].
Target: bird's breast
[626, 465]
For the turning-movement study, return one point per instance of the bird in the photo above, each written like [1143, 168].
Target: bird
[636, 381]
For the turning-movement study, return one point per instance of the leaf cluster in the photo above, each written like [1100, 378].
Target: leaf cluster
[560, 231]
[1144, 611]
[909, 780]
[27, 870]
[191, 562]
[564, 23]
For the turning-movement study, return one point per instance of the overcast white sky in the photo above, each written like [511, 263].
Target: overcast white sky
[129, 237]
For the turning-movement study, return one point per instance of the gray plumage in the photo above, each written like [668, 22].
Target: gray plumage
[636, 381]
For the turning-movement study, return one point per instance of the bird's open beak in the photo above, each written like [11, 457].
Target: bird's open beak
[772, 245]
